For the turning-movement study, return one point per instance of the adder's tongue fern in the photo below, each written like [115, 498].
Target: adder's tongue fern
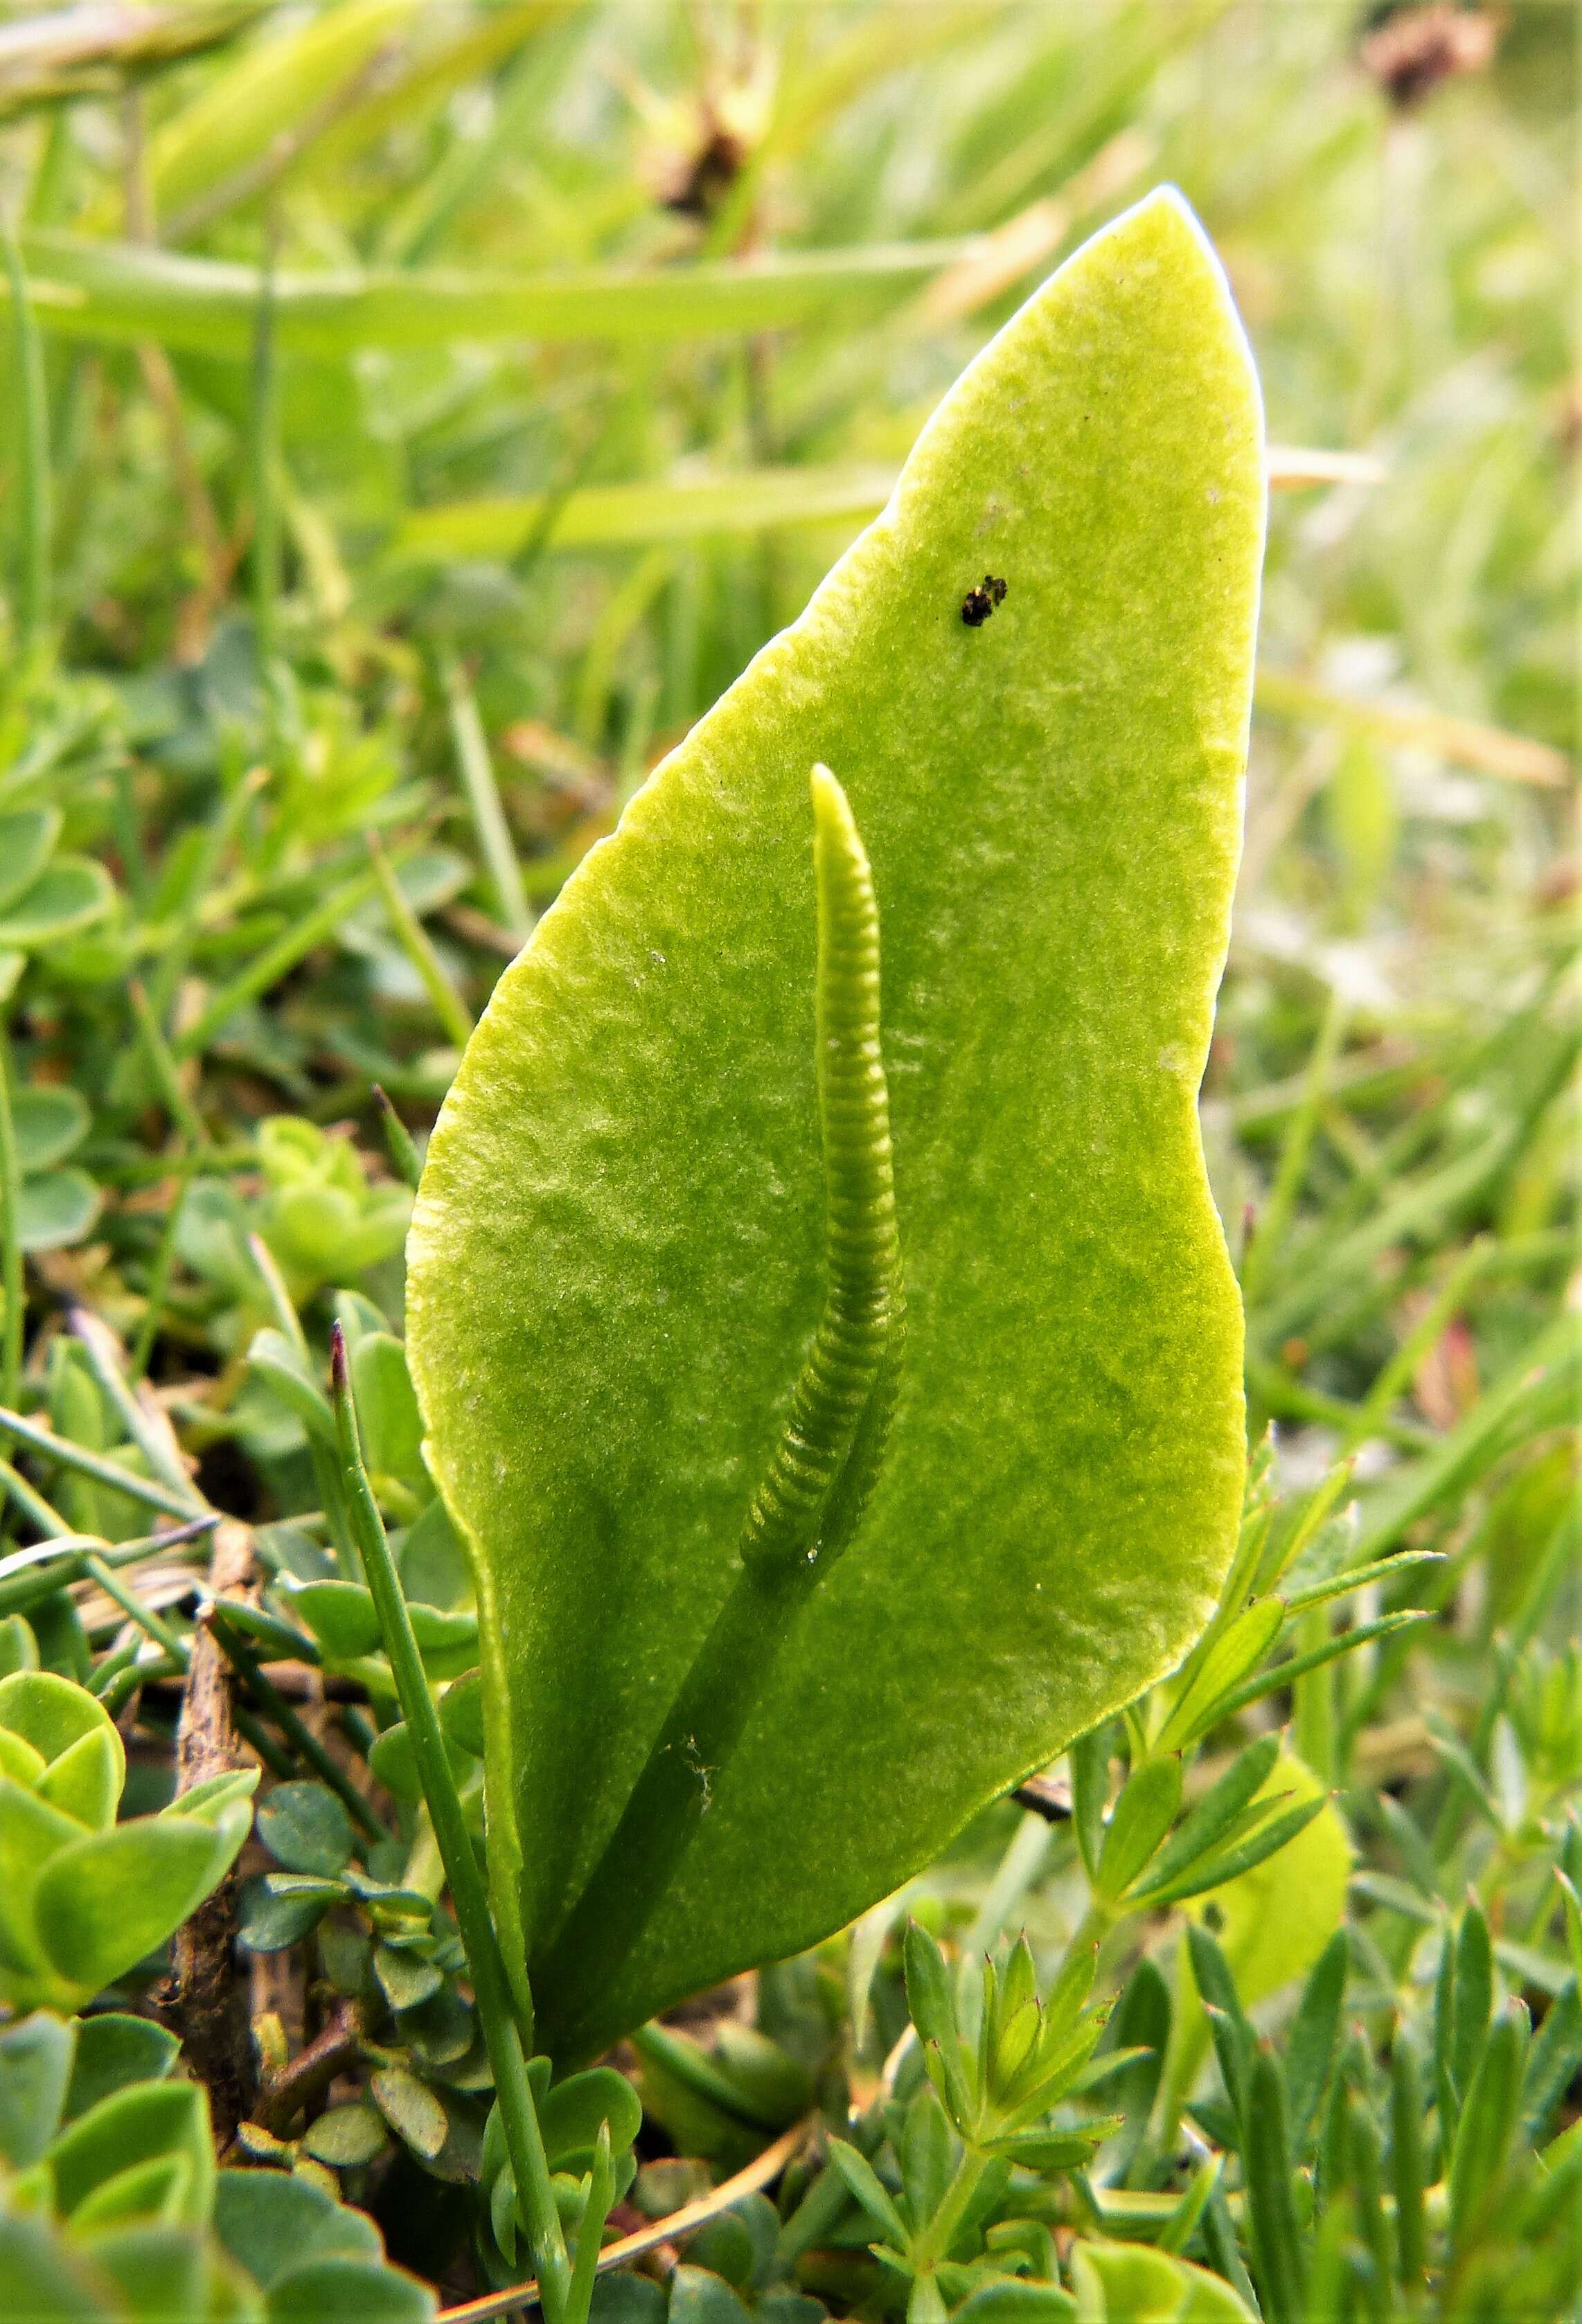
[823, 1469]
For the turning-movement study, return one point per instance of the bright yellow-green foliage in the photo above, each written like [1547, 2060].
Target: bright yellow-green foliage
[616, 1264]
[1274, 1922]
[84, 1898]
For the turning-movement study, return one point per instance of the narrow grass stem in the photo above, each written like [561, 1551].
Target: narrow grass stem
[134, 1674]
[414, 940]
[263, 432]
[122, 1593]
[33, 580]
[159, 1274]
[325, 1471]
[474, 765]
[84, 1463]
[275, 960]
[163, 1066]
[282, 1306]
[1295, 1148]
[404, 1159]
[491, 1988]
[27, 1576]
[254, 1732]
[38, 1511]
[1376, 1406]
[149, 1432]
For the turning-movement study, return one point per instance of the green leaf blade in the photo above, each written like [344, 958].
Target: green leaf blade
[622, 1210]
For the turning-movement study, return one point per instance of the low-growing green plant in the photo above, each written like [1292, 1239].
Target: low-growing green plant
[85, 1898]
[111, 2206]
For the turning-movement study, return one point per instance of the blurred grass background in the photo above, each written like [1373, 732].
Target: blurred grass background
[419, 412]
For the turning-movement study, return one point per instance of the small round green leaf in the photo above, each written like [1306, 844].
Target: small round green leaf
[411, 2109]
[70, 894]
[699, 2296]
[306, 1828]
[329, 2291]
[461, 1713]
[48, 1124]
[571, 2115]
[405, 1979]
[346, 2137]
[1150, 2287]
[112, 2051]
[275, 1913]
[271, 2223]
[1011, 2301]
[340, 1615]
[394, 1764]
[449, 1643]
[56, 1209]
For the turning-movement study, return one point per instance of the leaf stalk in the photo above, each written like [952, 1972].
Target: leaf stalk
[503, 2036]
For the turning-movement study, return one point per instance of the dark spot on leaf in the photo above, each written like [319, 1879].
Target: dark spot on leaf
[979, 604]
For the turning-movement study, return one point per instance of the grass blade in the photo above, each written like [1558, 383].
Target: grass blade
[32, 436]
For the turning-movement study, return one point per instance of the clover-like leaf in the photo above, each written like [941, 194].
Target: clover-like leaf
[618, 1257]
